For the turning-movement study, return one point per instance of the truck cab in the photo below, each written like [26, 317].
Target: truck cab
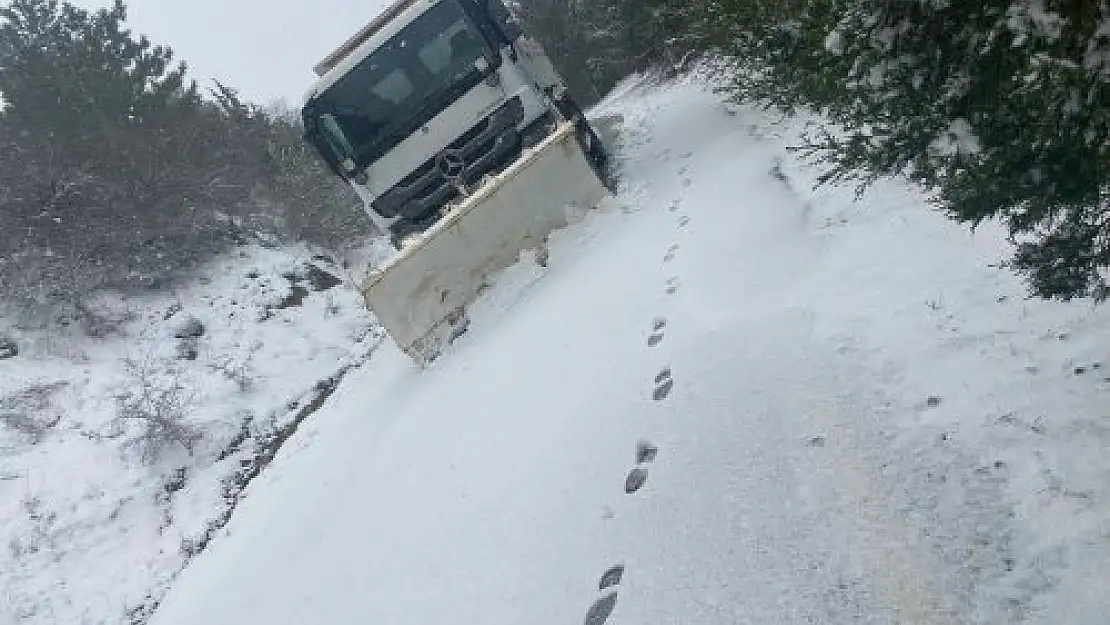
[430, 99]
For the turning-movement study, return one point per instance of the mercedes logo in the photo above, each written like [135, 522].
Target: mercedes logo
[451, 164]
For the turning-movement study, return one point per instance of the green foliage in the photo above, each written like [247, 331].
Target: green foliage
[999, 107]
[315, 206]
[116, 172]
[595, 43]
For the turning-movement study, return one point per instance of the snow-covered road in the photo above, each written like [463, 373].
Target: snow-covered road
[699, 335]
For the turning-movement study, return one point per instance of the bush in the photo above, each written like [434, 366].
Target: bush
[596, 43]
[116, 173]
[997, 107]
[155, 411]
[27, 412]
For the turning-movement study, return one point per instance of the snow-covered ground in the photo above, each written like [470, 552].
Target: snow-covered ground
[825, 411]
[100, 509]
[727, 399]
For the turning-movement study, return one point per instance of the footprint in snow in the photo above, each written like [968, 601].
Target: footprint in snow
[672, 286]
[645, 454]
[674, 205]
[635, 480]
[657, 332]
[682, 171]
[671, 251]
[687, 182]
[611, 577]
[664, 383]
[683, 221]
[600, 611]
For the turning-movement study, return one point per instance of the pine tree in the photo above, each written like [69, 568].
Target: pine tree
[1001, 107]
[86, 121]
[115, 171]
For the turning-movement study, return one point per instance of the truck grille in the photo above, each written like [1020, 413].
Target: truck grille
[429, 165]
[485, 148]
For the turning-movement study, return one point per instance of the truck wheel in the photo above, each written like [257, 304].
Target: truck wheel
[595, 153]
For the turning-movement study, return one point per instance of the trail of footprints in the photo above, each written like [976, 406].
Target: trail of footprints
[646, 452]
[645, 455]
[609, 582]
[607, 585]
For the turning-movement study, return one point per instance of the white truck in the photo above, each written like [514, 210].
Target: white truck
[465, 146]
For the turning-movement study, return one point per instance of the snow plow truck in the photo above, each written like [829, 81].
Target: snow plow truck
[455, 129]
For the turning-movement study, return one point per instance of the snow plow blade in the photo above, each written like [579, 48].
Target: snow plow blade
[421, 295]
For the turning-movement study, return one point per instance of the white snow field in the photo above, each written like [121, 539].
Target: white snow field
[89, 532]
[846, 413]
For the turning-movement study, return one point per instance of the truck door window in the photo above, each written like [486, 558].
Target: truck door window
[335, 137]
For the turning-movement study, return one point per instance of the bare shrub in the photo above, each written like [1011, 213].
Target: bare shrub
[155, 408]
[33, 397]
[240, 372]
[31, 429]
[26, 412]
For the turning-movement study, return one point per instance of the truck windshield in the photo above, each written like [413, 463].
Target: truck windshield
[386, 92]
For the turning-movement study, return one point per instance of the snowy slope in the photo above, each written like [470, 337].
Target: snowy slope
[826, 411]
[91, 532]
